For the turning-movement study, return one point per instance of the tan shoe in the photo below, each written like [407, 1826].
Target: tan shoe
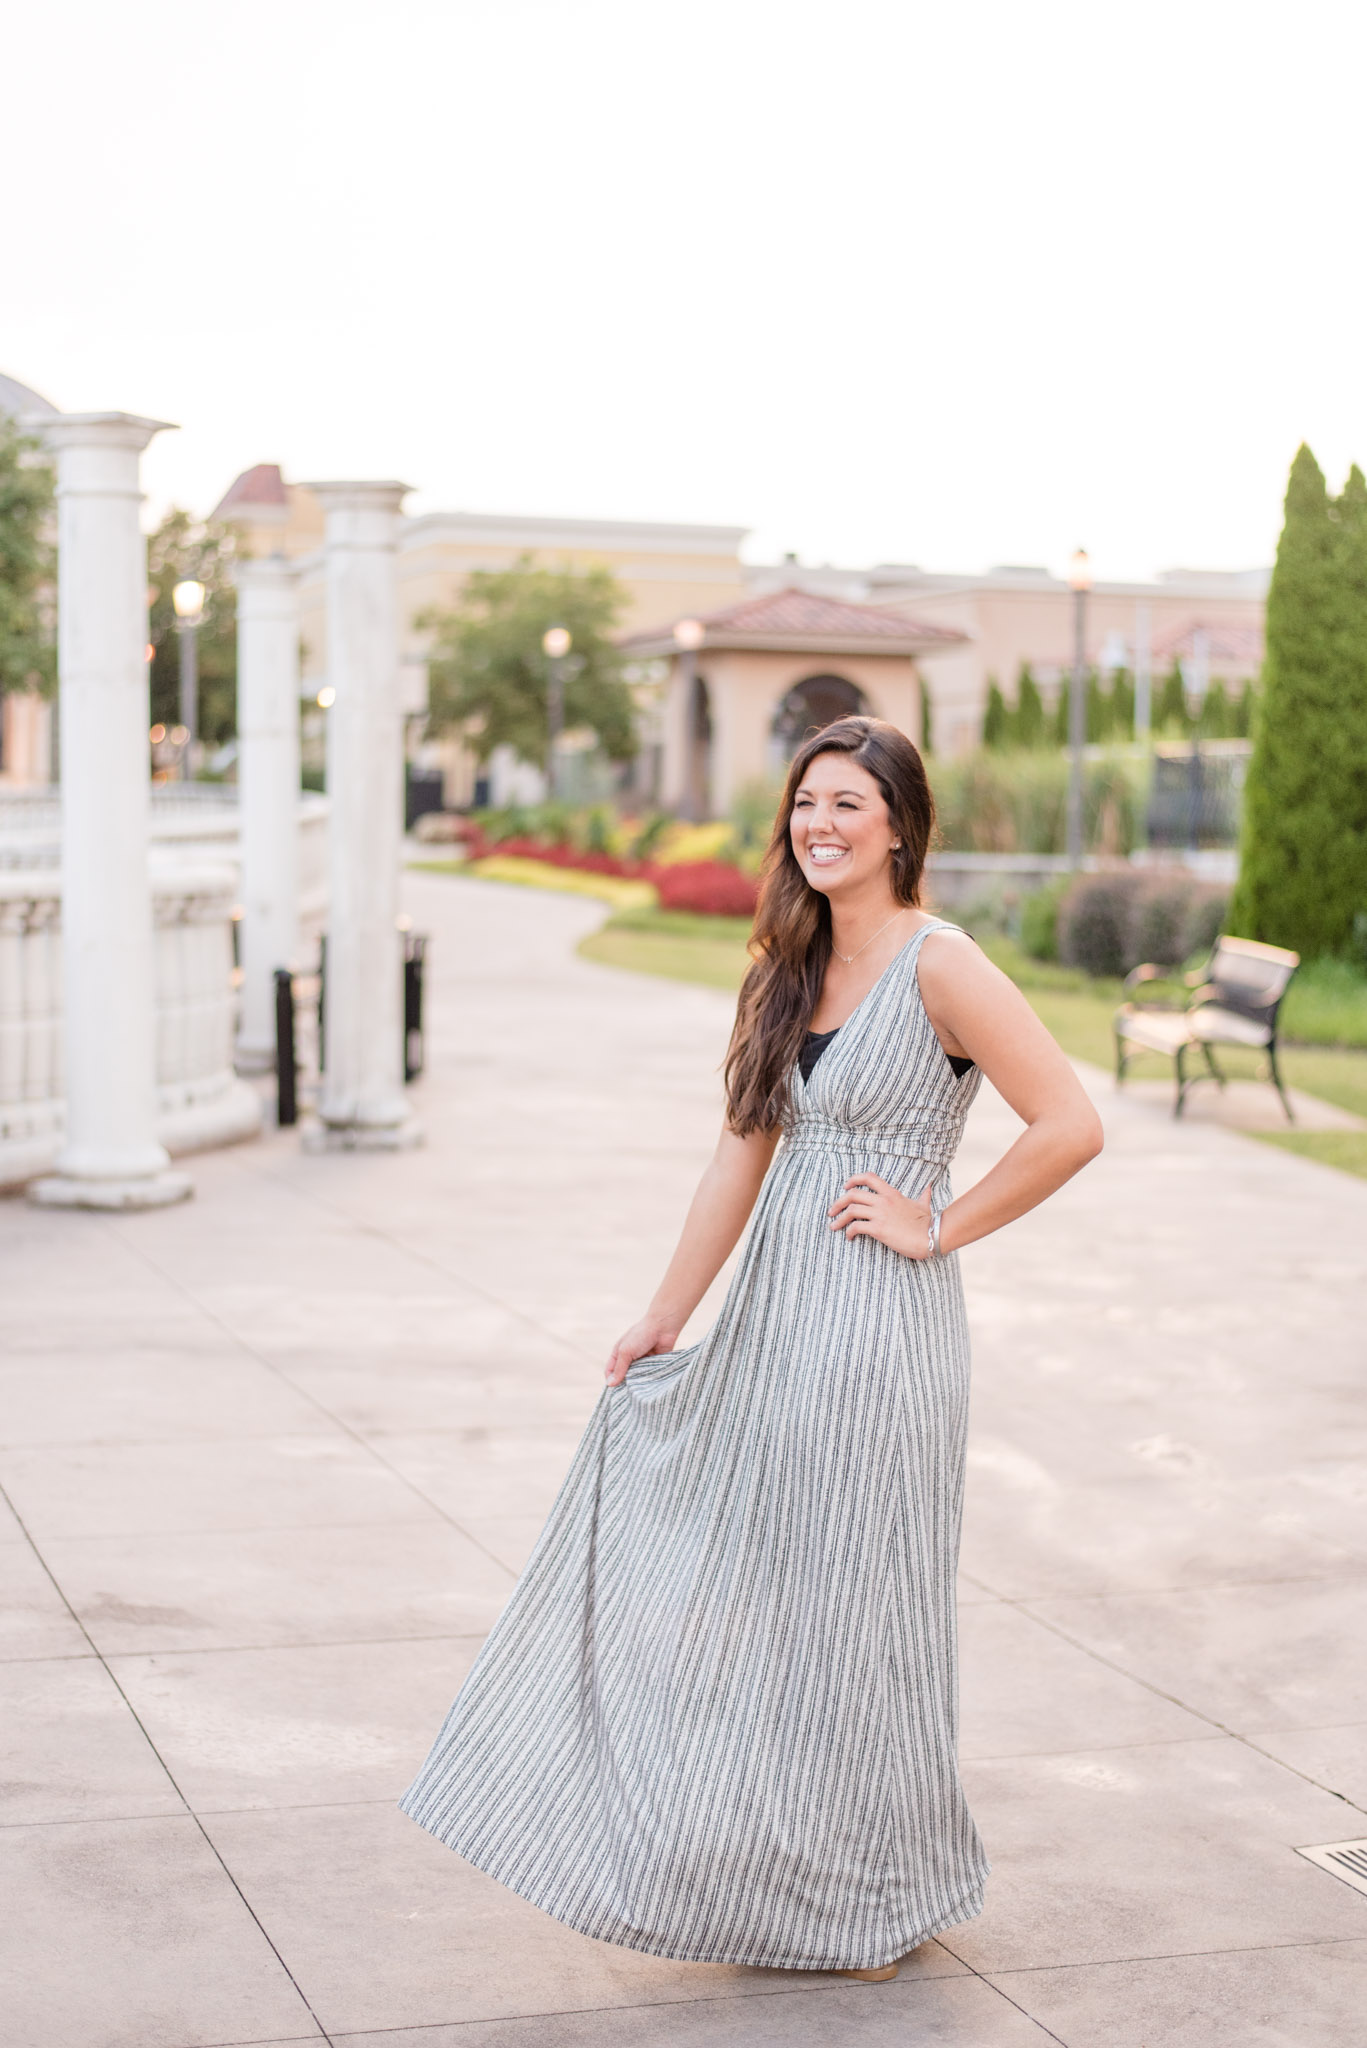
[883, 1976]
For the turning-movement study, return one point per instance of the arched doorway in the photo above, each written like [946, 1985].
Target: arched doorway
[698, 775]
[810, 705]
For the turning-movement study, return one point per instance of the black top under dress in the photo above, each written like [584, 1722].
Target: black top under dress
[815, 1043]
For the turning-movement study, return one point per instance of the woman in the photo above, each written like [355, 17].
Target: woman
[716, 1721]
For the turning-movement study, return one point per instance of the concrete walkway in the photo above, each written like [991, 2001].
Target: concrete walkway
[274, 1459]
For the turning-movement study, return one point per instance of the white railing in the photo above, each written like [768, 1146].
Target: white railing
[31, 1108]
[200, 1101]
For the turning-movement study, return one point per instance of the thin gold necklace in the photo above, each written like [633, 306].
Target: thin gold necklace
[850, 958]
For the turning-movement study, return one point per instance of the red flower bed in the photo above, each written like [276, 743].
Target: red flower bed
[570, 857]
[709, 888]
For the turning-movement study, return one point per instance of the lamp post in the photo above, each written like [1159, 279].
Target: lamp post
[1079, 582]
[188, 599]
[555, 645]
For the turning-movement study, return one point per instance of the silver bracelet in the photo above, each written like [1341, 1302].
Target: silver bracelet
[933, 1234]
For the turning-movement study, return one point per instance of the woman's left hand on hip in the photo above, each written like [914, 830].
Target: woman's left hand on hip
[869, 1206]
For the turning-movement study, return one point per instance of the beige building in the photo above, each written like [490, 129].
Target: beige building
[1210, 621]
[720, 721]
[749, 681]
[666, 571]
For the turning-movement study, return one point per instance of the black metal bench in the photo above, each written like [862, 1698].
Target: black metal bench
[1233, 1000]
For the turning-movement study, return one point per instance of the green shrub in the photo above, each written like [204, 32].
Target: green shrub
[1093, 924]
[1111, 923]
[753, 810]
[599, 827]
[1039, 919]
[653, 829]
[1207, 918]
[1159, 919]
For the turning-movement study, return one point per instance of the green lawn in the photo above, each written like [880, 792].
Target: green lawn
[1344, 1149]
[675, 944]
[1077, 1010]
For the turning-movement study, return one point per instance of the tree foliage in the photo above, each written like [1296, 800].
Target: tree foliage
[1030, 720]
[183, 549]
[27, 564]
[1110, 712]
[488, 676]
[996, 719]
[1303, 867]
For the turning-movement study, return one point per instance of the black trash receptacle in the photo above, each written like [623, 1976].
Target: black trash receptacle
[424, 791]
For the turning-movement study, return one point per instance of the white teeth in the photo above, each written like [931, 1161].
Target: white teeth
[824, 855]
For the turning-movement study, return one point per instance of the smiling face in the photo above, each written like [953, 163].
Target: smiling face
[841, 833]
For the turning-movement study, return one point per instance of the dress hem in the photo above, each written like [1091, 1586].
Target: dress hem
[967, 1907]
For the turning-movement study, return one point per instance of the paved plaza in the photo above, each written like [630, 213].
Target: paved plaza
[274, 1458]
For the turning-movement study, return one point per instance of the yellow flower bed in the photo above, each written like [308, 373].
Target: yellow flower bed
[617, 890]
[694, 842]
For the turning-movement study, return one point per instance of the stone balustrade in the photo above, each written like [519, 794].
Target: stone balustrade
[200, 1101]
[199, 821]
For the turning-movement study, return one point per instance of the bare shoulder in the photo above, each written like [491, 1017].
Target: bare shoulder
[961, 986]
[950, 959]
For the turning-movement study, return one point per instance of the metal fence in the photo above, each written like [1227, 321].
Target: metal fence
[1196, 794]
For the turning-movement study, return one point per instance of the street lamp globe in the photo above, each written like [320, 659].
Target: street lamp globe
[556, 642]
[689, 634]
[188, 599]
[1080, 571]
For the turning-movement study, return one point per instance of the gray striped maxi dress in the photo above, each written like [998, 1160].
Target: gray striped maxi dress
[716, 1720]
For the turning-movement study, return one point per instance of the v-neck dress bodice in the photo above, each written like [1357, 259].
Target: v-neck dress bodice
[717, 1719]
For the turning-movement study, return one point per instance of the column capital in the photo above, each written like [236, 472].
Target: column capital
[385, 496]
[96, 429]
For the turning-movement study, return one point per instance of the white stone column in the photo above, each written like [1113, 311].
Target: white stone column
[268, 791]
[363, 1103]
[110, 1158]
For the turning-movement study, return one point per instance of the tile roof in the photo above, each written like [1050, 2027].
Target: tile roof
[260, 485]
[799, 619]
[799, 615]
[1222, 643]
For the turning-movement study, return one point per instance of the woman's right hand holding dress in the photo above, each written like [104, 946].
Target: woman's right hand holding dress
[647, 1338]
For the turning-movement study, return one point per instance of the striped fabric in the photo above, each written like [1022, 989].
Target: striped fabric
[716, 1720]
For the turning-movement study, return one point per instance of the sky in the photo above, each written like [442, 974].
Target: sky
[956, 285]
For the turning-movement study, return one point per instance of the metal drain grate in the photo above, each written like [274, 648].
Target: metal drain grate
[1347, 1860]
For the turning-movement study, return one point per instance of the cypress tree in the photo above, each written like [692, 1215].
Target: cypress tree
[1303, 866]
[1170, 714]
[1029, 709]
[1216, 718]
[1122, 705]
[996, 718]
[1100, 709]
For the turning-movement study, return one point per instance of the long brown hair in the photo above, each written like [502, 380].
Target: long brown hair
[790, 945]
